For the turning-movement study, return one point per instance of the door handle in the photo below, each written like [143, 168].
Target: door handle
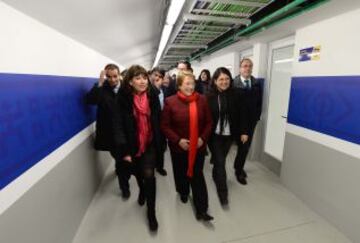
[285, 117]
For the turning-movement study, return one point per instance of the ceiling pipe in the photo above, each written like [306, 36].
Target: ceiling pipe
[237, 2]
[256, 26]
[226, 20]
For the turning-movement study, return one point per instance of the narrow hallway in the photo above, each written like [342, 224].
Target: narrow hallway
[262, 211]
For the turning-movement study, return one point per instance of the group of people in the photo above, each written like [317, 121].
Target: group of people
[141, 113]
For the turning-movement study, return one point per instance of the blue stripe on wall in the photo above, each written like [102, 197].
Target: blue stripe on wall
[38, 113]
[329, 105]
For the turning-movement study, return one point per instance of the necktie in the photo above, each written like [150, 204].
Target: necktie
[247, 84]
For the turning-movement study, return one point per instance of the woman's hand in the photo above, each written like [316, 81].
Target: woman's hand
[200, 142]
[184, 144]
[244, 138]
[128, 158]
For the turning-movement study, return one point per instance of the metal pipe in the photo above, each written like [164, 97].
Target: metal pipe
[232, 39]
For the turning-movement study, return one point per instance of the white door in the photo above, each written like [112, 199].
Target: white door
[281, 56]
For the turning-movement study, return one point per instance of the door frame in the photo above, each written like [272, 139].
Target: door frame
[282, 43]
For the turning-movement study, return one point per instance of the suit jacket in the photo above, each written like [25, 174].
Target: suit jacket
[175, 121]
[104, 98]
[253, 98]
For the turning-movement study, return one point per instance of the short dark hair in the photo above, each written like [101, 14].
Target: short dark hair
[188, 65]
[112, 66]
[133, 71]
[158, 70]
[216, 75]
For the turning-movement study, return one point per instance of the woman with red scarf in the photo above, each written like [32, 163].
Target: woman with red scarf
[186, 122]
[138, 135]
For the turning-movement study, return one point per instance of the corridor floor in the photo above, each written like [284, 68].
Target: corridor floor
[264, 211]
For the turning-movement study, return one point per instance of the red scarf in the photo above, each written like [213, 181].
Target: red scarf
[142, 116]
[194, 132]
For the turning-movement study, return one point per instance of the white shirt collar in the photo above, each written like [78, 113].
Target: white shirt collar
[243, 79]
[117, 87]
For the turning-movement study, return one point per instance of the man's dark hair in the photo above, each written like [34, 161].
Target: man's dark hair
[158, 70]
[188, 65]
[112, 66]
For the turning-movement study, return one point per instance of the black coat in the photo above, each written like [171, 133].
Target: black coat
[202, 87]
[104, 98]
[172, 89]
[237, 112]
[125, 127]
[253, 99]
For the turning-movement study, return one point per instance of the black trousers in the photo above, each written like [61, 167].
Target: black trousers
[161, 155]
[197, 182]
[220, 146]
[242, 151]
[123, 172]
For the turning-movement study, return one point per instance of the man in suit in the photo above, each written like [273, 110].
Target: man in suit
[104, 95]
[156, 80]
[251, 91]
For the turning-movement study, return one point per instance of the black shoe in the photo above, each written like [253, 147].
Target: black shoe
[141, 199]
[162, 172]
[223, 200]
[125, 194]
[153, 223]
[184, 198]
[241, 180]
[243, 173]
[204, 217]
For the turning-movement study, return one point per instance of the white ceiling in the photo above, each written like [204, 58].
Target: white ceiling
[127, 31]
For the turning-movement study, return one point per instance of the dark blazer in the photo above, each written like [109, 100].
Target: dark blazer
[157, 92]
[253, 98]
[125, 127]
[237, 112]
[175, 121]
[172, 89]
[105, 99]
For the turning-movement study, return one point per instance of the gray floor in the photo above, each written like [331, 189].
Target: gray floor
[263, 211]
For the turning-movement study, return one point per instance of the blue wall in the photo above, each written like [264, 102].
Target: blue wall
[329, 105]
[38, 113]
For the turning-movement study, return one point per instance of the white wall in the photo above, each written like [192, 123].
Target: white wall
[339, 56]
[30, 47]
[324, 171]
[212, 62]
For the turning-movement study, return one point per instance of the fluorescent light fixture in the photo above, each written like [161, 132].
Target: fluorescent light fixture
[163, 41]
[174, 11]
[172, 15]
[284, 60]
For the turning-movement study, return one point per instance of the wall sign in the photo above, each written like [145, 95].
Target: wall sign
[310, 54]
